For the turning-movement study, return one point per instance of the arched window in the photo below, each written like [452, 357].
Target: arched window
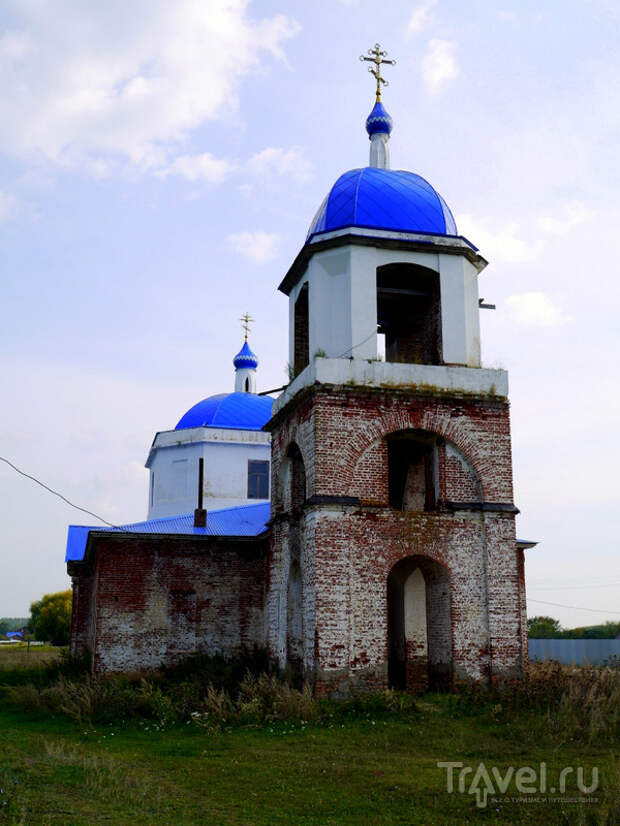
[301, 332]
[412, 470]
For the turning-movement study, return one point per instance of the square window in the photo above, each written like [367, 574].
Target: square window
[258, 480]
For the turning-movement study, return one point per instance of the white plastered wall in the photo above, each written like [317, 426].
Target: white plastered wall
[173, 482]
[245, 380]
[414, 597]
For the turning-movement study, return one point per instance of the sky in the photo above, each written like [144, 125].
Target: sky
[159, 166]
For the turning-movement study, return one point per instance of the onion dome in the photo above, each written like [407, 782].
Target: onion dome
[383, 199]
[245, 358]
[236, 411]
[378, 120]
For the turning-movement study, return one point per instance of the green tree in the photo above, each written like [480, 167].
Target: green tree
[543, 628]
[50, 618]
[608, 631]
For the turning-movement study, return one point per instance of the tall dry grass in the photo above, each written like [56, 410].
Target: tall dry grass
[582, 702]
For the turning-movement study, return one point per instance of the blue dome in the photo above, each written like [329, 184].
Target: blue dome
[245, 358]
[378, 120]
[237, 411]
[383, 199]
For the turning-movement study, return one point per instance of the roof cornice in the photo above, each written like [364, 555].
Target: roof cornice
[448, 245]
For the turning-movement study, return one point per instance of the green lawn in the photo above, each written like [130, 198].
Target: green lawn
[376, 770]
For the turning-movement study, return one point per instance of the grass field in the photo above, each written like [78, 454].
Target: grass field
[19, 656]
[374, 769]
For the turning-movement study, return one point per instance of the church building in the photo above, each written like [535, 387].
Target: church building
[380, 550]
[226, 431]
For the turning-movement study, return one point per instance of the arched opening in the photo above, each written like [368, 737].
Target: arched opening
[301, 343]
[294, 622]
[296, 496]
[247, 385]
[297, 477]
[419, 625]
[413, 477]
[409, 313]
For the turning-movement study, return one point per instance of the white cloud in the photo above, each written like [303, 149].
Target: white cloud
[125, 81]
[565, 218]
[439, 65]
[7, 204]
[499, 244]
[257, 246]
[205, 167]
[421, 18]
[275, 160]
[535, 310]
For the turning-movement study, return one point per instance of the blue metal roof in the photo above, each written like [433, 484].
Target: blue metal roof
[244, 520]
[245, 358]
[383, 199]
[240, 411]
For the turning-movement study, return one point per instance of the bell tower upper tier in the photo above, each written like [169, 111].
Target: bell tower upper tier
[405, 297]
[384, 274]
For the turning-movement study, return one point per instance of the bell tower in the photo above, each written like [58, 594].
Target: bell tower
[393, 560]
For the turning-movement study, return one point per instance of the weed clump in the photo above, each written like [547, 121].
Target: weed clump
[208, 691]
[578, 702]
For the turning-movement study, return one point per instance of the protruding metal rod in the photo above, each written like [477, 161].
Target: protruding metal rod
[200, 514]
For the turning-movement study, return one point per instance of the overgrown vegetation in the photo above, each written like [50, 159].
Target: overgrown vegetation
[208, 691]
[577, 702]
[582, 703]
[229, 741]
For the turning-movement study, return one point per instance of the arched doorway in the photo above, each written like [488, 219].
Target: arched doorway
[419, 625]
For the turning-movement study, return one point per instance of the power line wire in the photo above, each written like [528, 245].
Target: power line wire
[571, 587]
[59, 495]
[355, 346]
[575, 607]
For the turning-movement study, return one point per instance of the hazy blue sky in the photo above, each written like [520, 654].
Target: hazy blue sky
[160, 163]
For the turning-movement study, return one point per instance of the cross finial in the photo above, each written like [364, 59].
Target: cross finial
[246, 318]
[378, 57]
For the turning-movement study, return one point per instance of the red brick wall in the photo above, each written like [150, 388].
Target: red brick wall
[351, 549]
[80, 640]
[162, 598]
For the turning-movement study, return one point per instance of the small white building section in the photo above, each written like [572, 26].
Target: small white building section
[226, 431]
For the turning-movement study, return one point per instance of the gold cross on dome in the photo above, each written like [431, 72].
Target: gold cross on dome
[245, 319]
[378, 57]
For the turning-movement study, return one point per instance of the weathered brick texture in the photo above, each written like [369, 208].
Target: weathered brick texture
[466, 545]
[162, 598]
[316, 591]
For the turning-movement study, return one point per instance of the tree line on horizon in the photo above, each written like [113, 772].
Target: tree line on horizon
[548, 628]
